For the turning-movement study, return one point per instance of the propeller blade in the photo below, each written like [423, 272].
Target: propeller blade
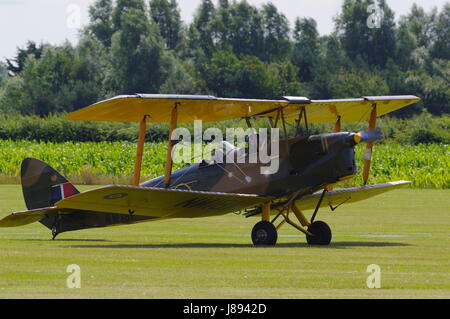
[369, 146]
[367, 137]
[367, 160]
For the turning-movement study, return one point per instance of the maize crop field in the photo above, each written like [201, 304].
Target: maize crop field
[425, 165]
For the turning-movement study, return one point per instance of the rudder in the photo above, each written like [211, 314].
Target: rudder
[42, 185]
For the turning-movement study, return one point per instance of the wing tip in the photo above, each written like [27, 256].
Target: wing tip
[401, 182]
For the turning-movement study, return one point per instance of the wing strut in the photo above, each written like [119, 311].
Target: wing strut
[169, 161]
[140, 151]
[337, 125]
[369, 145]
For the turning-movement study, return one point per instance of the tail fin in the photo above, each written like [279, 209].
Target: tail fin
[43, 186]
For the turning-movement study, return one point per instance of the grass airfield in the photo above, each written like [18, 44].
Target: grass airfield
[405, 232]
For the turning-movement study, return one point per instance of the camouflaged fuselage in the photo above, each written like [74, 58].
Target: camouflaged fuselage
[304, 162]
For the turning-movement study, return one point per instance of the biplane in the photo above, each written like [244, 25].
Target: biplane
[310, 167]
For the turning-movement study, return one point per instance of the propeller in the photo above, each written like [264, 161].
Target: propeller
[367, 137]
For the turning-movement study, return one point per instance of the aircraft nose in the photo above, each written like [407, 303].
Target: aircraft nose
[366, 136]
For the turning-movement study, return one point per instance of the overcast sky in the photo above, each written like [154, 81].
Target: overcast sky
[53, 21]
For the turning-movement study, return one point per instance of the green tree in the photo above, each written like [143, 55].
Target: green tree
[425, 70]
[97, 59]
[395, 77]
[406, 44]
[13, 97]
[191, 50]
[183, 79]
[16, 65]
[138, 60]
[246, 33]
[3, 74]
[101, 26]
[238, 28]
[122, 7]
[440, 48]
[420, 24]
[357, 83]
[276, 31]
[166, 15]
[330, 61]
[432, 86]
[234, 49]
[286, 76]
[249, 77]
[202, 24]
[60, 80]
[220, 27]
[305, 53]
[373, 43]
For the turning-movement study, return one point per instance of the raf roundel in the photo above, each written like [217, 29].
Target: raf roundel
[116, 196]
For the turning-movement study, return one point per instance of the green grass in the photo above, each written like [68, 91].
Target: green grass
[406, 232]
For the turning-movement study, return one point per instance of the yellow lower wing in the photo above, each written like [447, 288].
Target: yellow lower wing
[348, 195]
[172, 203]
[27, 217]
[159, 202]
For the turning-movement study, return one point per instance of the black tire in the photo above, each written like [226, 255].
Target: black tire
[322, 233]
[264, 234]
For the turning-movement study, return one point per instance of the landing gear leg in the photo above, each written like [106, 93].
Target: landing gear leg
[318, 233]
[265, 233]
[55, 227]
[54, 233]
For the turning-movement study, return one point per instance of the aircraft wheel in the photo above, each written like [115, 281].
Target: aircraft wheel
[322, 233]
[264, 234]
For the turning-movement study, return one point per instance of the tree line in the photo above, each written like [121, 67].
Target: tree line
[233, 49]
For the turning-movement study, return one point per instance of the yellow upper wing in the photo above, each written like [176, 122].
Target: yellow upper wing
[349, 110]
[132, 108]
